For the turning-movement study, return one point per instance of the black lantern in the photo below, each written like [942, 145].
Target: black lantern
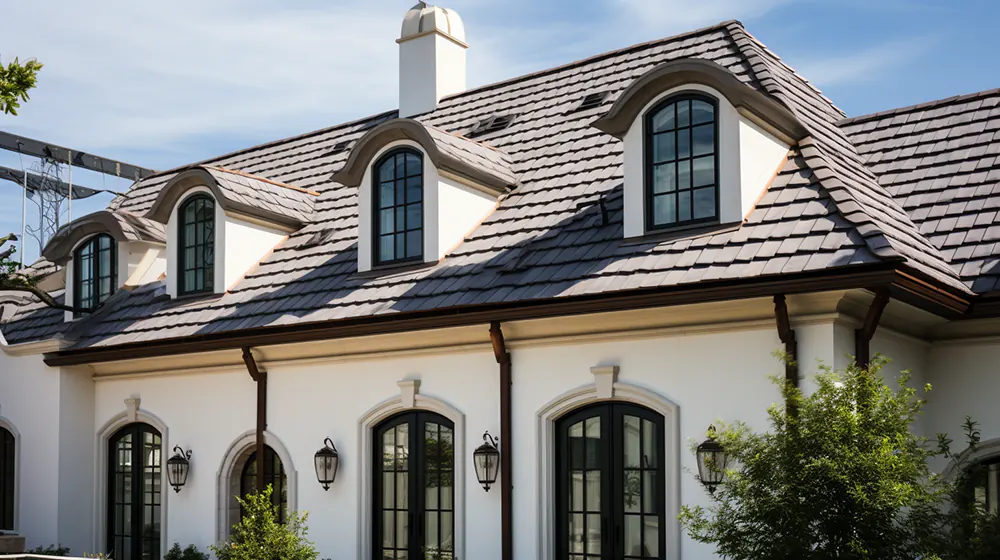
[712, 460]
[178, 467]
[327, 460]
[487, 460]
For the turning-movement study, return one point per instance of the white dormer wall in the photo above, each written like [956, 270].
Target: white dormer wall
[452, 209]
[749, 157]
[240, 243]
[138, 263]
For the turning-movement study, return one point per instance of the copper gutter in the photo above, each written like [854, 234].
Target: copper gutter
[506, 461]
[260, 377]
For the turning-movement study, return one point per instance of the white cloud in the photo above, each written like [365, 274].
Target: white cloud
[865, 65]
[650, 19]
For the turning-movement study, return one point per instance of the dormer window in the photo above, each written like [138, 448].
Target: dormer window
[682, 161]
[95, 266]
[196, 245]
[700, 147]
[398, 195]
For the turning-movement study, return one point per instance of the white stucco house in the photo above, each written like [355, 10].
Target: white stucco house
[592, 263]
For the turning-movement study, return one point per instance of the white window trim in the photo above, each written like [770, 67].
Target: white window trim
[606, 388]
[227, 470]
[408, 399]
[173, 249]
[131, 415]
[9, 426]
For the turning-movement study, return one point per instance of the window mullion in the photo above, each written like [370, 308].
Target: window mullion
[417, 480]
[612, 502]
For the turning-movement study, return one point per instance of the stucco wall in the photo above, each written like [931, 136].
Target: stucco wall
[29, 401]
[966, 382]
[308, 402]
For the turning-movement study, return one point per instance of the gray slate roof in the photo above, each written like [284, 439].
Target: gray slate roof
[560, 232]
[941, 162]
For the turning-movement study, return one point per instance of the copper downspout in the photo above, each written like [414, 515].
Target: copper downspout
[863, 336]
[506, 476]
[260, 377]
[787, 336]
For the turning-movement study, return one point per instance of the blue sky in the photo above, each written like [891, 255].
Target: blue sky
[162, 84]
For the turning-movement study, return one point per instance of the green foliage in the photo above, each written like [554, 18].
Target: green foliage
[963, 529]
[51, 550]
[259, 536]
[842, 476]
[15, 81]
[189, 553]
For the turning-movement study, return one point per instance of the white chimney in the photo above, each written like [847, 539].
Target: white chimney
[431, 58]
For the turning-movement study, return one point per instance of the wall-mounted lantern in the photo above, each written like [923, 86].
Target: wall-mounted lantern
[178, 467]
[487, 460]
[327, 460]
[712, 461]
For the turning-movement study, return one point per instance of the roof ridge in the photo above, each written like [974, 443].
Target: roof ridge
[879, 240]
[206, 162]
[259, 178]
[919, 106]
[594, 58]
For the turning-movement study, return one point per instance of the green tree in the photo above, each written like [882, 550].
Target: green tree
[844, 476]
[963, 529]
[16, 80]
[259, 535]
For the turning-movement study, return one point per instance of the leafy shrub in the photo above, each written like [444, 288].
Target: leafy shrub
[189, 553]
[51, 550]
[839, 474]
[259, 535]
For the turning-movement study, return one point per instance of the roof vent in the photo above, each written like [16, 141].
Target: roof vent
[340, 147]
[591, 101]
[490, 125]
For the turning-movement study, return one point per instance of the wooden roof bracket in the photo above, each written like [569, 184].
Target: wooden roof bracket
[260, 377]
[787, 335]
[863, 336]
[506, 461]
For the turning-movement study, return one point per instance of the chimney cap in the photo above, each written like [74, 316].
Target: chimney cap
[424, 19]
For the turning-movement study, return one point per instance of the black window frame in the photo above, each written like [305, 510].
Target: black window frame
[376, 198]
[8, 478]
[97, 297]
[138, 473]
[207, 246]
[650, 164]
[417, 482]
[611, 464]
[277, 478]
[982, 469]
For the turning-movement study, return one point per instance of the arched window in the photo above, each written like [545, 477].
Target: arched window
[399, 209]
[985, 481]
[196, 245]
[610, 483]
[682, 162]
[134, 498]
[95, 271]
[274, 474]
[414, 487]
[6, 480]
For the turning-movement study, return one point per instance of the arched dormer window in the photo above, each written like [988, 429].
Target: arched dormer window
[682, 162]
[95, 271]
[398, 198]
[196, 245]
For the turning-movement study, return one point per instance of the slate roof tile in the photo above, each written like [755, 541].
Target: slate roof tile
[824, 208]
